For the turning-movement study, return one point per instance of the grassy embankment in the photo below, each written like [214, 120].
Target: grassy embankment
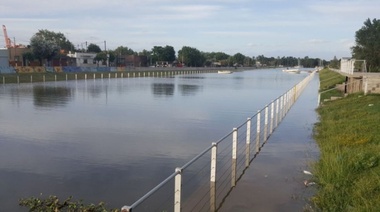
[348, 171]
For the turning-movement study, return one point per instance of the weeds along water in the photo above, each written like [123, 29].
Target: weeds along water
[348, 171]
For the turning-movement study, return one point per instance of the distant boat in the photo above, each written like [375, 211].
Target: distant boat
[292, 70]
[224, 72]
[295, 69]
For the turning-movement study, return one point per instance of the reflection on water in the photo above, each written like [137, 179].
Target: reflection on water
[45, 96]
[163, 89]
[187, 90]
[113, 140]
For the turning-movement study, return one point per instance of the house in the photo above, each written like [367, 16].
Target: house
[82, 59]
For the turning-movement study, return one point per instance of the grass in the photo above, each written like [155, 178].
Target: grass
[328, 80]
[348, 170]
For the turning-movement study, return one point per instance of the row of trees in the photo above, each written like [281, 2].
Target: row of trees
[47, 45]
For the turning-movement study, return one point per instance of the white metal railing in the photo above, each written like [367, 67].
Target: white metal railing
[203, 183]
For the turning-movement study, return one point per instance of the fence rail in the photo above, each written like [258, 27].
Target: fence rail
[203, 183]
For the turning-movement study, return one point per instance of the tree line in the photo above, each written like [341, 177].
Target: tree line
[48, 45]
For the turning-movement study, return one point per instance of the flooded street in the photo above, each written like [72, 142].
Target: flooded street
[113, 140]
[275, 179]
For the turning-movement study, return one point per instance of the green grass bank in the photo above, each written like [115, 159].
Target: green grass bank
[348, 134]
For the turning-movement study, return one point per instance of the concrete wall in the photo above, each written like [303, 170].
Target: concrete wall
[372, 84]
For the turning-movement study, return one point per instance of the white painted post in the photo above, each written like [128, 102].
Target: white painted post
[76, 76]
[85, 76]
[213, 177]
[101, 76]
[234, 157]
[66, 77]
[281, 106]
[271, 117]
[94, 76]
[109, 75]
[128, 75]
[277, 104]
[319, 99]
[116, 75]
[3, 79]
[266, 124]
[122, 75]
[55, 77]
[177, 190]
[365, 85]
[18, 79]
[258, 131]
[248, 143]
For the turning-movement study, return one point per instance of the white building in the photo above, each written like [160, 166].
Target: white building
[83, 59]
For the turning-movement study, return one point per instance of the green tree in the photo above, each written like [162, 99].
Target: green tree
[191, 57]
[93, 48]
[334, 63]
[123, 50]
[239, 59]
[58, 38]
[368, 44]
[43, 48]
[27, 57]
[160, 53]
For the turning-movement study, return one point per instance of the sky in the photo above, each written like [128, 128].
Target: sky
[299, 28]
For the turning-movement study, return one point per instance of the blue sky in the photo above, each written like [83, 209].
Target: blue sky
[314, 28]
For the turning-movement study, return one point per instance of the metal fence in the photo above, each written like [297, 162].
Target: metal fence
[203, 183]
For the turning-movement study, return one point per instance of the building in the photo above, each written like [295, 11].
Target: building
[4, 58]
[132, 61]
[82, 59]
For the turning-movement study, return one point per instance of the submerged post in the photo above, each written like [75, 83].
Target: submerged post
[258, 131]
[213, 177]
[177, 190]
[234, 157]
[266, 124]
[277, 104]
[271, 117]
[248, 143]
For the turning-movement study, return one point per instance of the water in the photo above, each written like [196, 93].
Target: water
[113, 140]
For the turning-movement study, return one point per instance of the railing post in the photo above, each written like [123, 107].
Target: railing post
[177, 190]
[277, 104]
[266, 124]
[213, 177]
[234, 157]
[258, 131]
[281, 113]
[271, 117]
[248, 143]
[319, 99]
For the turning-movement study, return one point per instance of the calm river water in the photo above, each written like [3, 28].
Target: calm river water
[113, 140]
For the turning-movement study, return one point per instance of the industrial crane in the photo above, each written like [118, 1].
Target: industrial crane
[8, 42]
